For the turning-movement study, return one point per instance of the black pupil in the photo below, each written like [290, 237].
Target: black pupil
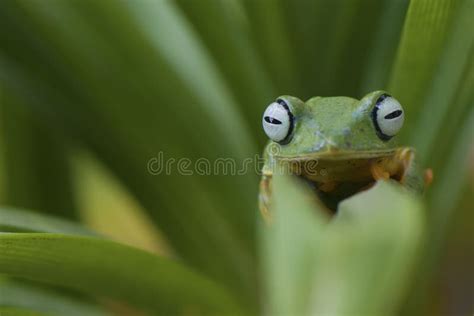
[393, 115]
[272, 120]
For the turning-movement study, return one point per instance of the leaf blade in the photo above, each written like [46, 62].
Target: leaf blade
[89, 89]
[289, 247]
[109, 269]
[17, 220]
[20, 295]
[368, 253]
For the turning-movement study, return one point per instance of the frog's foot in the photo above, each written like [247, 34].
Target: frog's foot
[378, 172]
[327, 186]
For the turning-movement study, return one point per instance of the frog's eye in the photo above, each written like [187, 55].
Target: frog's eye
[278, 121]
[387, 116]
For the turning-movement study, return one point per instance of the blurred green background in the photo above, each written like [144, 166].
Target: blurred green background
[90, 91]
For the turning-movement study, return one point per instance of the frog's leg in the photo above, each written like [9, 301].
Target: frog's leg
[265, 195]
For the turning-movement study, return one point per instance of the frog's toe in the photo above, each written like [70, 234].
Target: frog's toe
[379, 173]
[428, 176]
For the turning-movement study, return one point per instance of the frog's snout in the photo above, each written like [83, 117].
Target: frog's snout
[323, 142]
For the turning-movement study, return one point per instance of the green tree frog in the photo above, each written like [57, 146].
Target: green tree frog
[338, 145]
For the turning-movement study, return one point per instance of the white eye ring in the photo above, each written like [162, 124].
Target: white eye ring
[388, 117]
[278, 121]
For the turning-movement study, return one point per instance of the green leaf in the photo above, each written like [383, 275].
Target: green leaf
[358, 263]
[271, 37]
[130, 79]
[384, 46]
[15, 311]
[289, 247]
[424, 35]
[106, 207]
[435, 76]
[368, 253]
[137, 108]
[37, 173]
[451, 179]
[107, 269]
[171, 36]
[235, 53]
[42, 300]
[333, 42]
[443, 198]
[454, 70]
[17, 220]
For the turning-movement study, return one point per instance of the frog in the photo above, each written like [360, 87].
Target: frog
[338, 146]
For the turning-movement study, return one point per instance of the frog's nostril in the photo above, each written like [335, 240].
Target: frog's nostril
[329, 142]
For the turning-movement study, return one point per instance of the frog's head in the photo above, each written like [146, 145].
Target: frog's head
[338, 145]
[334, 126]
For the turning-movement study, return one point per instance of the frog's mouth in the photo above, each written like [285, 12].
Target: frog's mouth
[337, 176]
